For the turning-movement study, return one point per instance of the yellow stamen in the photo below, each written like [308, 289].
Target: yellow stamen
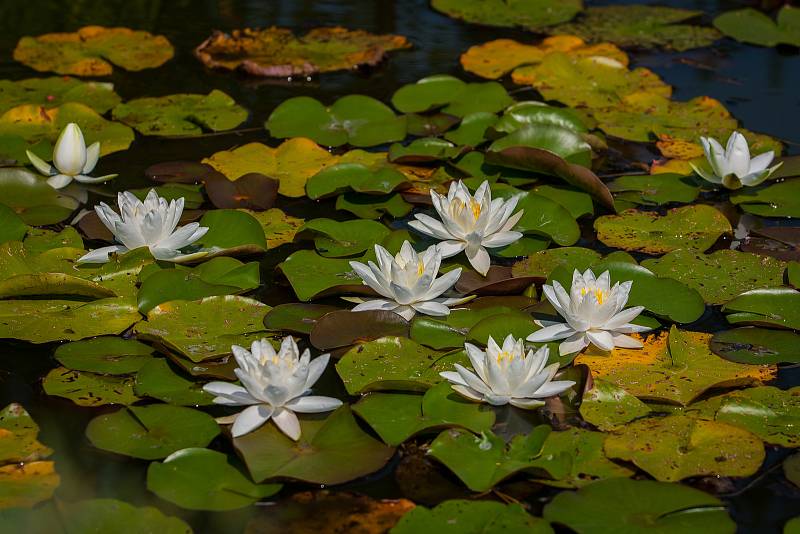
[420, 268]
[505, 355]
[599, 295]
[476, 209]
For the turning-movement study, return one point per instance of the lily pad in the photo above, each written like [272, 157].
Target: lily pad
[366, 206]
[342, 328]
[336, 239]
[695, 227]
[92, 50]
[296, 317]
[394, 363]
[609, 407]
[450, 332]
[205, 329]
[752, 26]
[279, 228]
[676, 447]
[774, 200]
[202, 479]
[530, 14]
[323, 455]
[791, 468]
[395, 417]
[106, 515]
[313, 276]
[29, 196]
[637, 507]
[355, 119]
[54, 91]
[470, 517]
[542, 216]
[277, 52]
[765, 307]
[232, 232]
[427, 93]
[675, 367]
[757, 345]
[151, 432]
[654, 189]
[157, 380]
[542, 263]
[641, 26]
[104, 355]
[424, 150]
[89, 389]
[376, 179]
[472, 129]
[18, 433]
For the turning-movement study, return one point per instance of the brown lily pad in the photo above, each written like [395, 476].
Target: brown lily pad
[180, 172]
[251, 191]
[344, 327]
[498, 281]
[277, 52]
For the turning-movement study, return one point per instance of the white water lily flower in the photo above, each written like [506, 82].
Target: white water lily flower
[470, 223]
[594, 313]
[506, 375]
[72, 160]
[147, 224]
[276, 385]
[732, 167]
[408, 282]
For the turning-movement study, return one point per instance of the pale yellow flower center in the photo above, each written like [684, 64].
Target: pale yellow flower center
[598, 293]
[476, 209]
[505, 355]
[420, 268]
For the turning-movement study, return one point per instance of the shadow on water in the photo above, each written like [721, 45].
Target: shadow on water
[757, 84]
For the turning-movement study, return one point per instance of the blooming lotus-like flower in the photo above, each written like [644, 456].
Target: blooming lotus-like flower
[276, 385]
[408, 281]
[732, 167]
[147, 224]
[594, 313]
[72, 160]
[505, 375]
[470, 223]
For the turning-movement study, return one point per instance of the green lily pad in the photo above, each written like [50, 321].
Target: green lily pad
[54, 91]
[355, 119]
[791, 468]
[609, 407]
[773, 200]
[695, 227]
[313, 276]
[323, 455]
[450, 332]
[218, 276]
[530, 14]
[427, 93]
[472, 129]
[39, 128]
[151, 432]
[335, 239]
[205, 329]
[483, 461]
[637, 507]
[232, 231]
[343, 328]
[423, 150]
[542, 216]
[765, 307]
[92, 50]
[89, 389]
[13, 228]
[40, 240]
[202, 479]
[757, 345]
[395, 417]
[120, 274]
[192, 194]
[562, 142]
[533, 113]
[654, 189]
[486, 97]
[676, 447]
[470, 517]
[18, 437]
[519, 324]
[578, 203]
[296, 317]
[641, 26]
[544, 262]
[394, 363]
[104, 355]
[378, 179]
[675, 368]
[279, 228]
[25, 485]
[157, 380]
[29, 196]
[366, 206]
[277, 52]
[43, 321]
[111, 515]
[181, 114]
[751, 26]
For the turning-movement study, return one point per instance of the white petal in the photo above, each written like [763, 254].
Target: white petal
[443, 283]
[551, 333]
[501, 239]
[624, 317]
[59, 180]
[376, 304]
[601, 339]
[41, 165]
[250, 419]
[738, 155]
[425, 224]
[287, 422]
[82, 178]
[100, 255]
[92, 155]
[69, 154]
[574, 343]
[315, 369]
[313, 404]
[479, 259]
[450, 248]
[468, 392]
[761, 162]
[621, 340]
[526, 404]
[431, 307]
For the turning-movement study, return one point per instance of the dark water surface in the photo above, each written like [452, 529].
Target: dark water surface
[758, 85]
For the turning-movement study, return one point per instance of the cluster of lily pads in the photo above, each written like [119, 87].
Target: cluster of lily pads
[605, 387]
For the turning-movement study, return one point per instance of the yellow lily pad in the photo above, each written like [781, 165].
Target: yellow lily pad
[92, 50]
[279, 228]
[24, 485]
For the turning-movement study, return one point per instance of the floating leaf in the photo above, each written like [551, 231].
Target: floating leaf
[366, 206]
[470, 517]
[92, 50]
[609, 407]
[202, 479]
[18, 433]
[89, 389]
[451, 331]
[751, 26]
[757, 345]
[252, 190]
[313, 276]
[296, 317]
[472, 129]
[398, 416]
[342, 328]
[32, 199]
[394, 363]
[231, 232]
[423, 150]
[374, 179]
[335, 239]
[26, 484]
[277, 52]
[530, 14]
[720, 276]
[791, 468]
[355, 119]
[427, 93]
[675, 367]
[696, 227]
[654, 189]
[542, 263]
[542, 216]
[110, 515]
[205, 329]
[279, 228]
[104, 355]
[155, 379]
[322, 455]
[54, 91]
[641, 26]
[676, 447]
[765, 307]
[13, 228]
[773, 200]
[151, 432]
[638, 506]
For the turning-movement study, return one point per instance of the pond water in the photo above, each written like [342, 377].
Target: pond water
[757, 84]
